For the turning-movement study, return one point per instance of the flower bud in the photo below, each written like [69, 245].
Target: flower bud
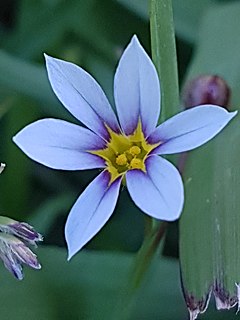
[20, 229]
[14, 253]
[206, 89]
[14, 238]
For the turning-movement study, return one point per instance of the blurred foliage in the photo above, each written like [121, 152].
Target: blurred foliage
[93, 34]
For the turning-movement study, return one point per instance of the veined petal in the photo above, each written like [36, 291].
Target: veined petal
[190, 129]
[60, 145]
[159, 191]
[81, 95]
[137, 90]
[91, 211]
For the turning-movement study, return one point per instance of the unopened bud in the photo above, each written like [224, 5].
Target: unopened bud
[14, 253]
[20, 229]
[206, 89]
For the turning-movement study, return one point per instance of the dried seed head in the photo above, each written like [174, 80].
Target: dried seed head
[206, 89]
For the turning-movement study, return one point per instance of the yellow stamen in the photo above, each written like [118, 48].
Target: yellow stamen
[121, 160]
[136, 163]
[123, 153]
[134, 150]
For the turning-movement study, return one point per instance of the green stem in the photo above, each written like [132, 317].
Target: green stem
[146, 253]
[164, 54]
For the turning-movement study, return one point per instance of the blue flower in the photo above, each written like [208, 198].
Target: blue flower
[126, 148]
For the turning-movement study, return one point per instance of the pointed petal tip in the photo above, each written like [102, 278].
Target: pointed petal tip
[136, 43]
[136, 70]
[72, 250]
[135, 39]
[69, 257]
[230, 114]
[47, 57]
[233, 113]
[71, 246]
[191, 128]
[16, 139]
[90, 212]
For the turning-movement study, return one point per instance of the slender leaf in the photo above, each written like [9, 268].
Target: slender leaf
[210, 224]
[164, 55]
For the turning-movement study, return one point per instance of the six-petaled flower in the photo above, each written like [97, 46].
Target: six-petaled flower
[127, 148]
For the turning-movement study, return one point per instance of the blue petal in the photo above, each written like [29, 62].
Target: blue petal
[81, 95]
[60, 145]
[190, 129]
[90, 212]
[159, 191]
[137, 90]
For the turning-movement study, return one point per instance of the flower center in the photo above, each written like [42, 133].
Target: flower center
[124, 153]
[131, 158]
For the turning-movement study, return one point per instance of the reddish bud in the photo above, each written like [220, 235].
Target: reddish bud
[206, 89]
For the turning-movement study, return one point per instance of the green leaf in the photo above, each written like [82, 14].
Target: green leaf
[218, 47]
[187, 15]
[210, 224]
[91, 286]
[139, 7]
[30, 80]
[164, 55]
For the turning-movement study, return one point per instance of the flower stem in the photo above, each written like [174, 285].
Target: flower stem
[164, 54]
[146, 253]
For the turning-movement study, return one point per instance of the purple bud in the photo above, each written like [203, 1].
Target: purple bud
[25, 231]
[206, 89]
[20, 229]
[11, 263]
[25, 255]
[14, 253]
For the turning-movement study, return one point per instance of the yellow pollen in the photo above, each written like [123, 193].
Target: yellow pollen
[136, 163]
[123, 153]
[121, 160]
[135, 150]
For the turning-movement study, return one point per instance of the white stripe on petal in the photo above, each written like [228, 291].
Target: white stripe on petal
[159, 191]
[137, 90]
[60, 145]
[91, 211]
[81, 95]
[190, 129]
